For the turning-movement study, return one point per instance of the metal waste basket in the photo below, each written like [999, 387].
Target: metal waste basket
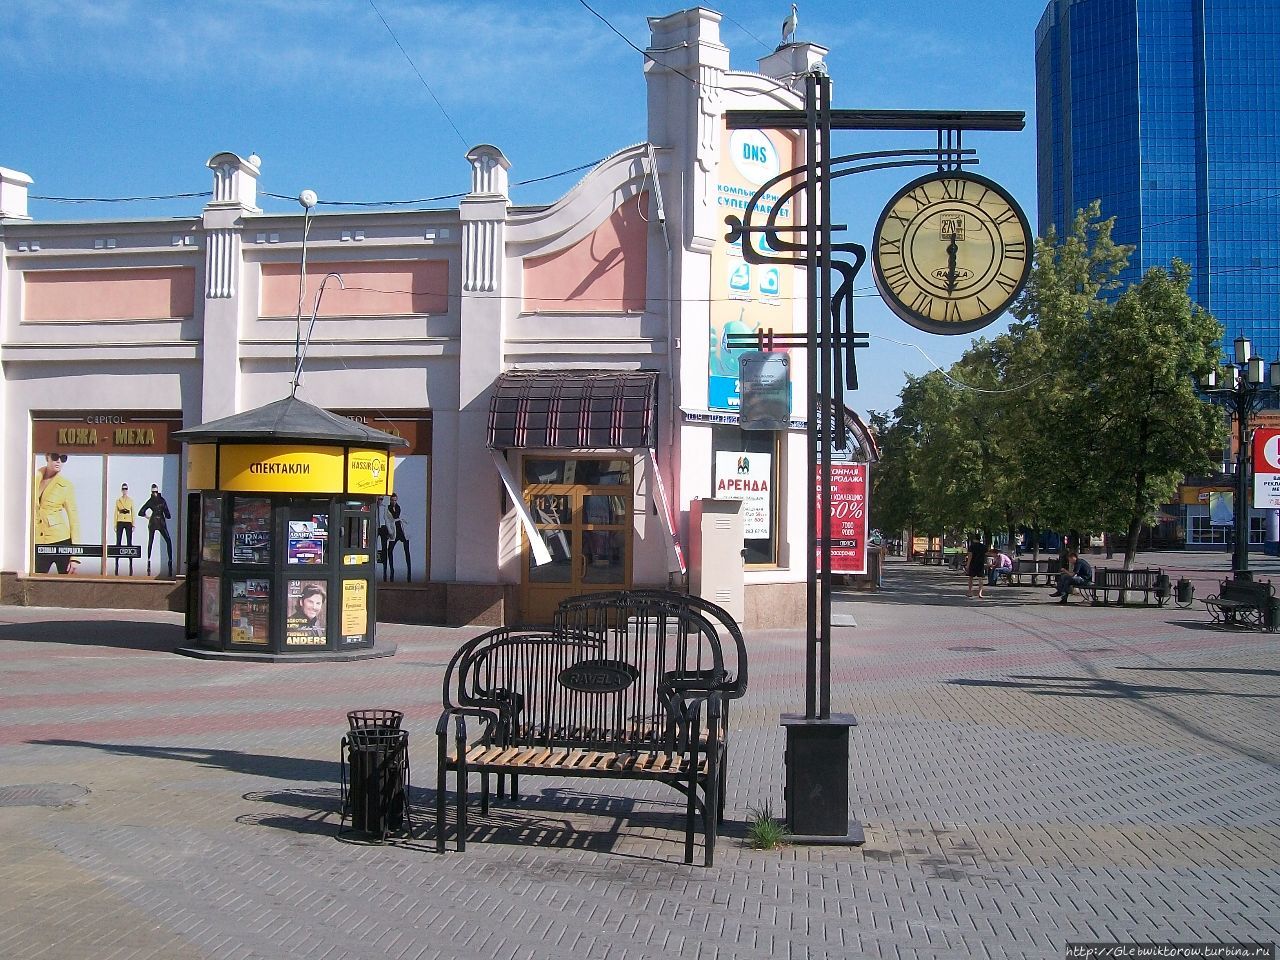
[1271, 614]
[1186, 592]
[378, 717]
[376, 797]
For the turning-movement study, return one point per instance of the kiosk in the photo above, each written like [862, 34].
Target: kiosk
[281, 520]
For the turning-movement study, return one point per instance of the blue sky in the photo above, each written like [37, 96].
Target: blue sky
[123, 98]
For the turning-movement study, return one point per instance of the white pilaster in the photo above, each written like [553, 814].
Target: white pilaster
[483, 213]
[235, 185]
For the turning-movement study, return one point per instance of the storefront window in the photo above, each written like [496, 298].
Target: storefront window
[745, 466]
[106, 490]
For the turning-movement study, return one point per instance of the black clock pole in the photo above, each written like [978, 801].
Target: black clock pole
[816, 775]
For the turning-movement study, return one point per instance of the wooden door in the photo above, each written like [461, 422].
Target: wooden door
[581, 508]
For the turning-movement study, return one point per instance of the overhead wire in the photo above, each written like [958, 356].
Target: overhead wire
[421, 78]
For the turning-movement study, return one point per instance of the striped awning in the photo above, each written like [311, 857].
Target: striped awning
[566, 409]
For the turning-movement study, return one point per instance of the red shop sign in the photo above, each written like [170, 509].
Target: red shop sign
[848, 518]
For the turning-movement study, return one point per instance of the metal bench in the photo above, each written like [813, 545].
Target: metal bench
[1035, 569]
[1241, 603]
[629, 685]
[1145, 580]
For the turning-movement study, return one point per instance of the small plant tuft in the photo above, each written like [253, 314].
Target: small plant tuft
[764, 832]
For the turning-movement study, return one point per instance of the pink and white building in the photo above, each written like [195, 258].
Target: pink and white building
[558, 370]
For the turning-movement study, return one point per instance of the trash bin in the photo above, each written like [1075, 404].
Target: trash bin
[1186, 592]
[377, 795]
[1163, 590]
[1271, 614]
[360, 719]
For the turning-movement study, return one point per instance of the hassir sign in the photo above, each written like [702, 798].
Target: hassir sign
[848, 487]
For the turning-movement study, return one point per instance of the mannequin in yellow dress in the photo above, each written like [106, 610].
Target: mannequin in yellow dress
[125, 518]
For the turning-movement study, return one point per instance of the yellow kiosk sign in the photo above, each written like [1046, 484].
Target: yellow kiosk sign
[268, 468]
[368, 472]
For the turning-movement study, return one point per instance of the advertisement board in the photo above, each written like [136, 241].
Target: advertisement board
[746, 297]
[747, 477]
[848, 485]
[1266, 468]
[103, 489]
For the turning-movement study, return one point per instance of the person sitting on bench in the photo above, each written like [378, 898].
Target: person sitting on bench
[1001, 567]
[1076, 573]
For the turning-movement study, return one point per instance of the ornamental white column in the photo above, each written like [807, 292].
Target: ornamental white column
[483, 213]
[235, 188]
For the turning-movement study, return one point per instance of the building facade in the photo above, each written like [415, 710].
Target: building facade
[1168, 111]
[558, 371]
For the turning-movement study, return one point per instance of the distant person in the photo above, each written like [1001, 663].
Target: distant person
[976, 565]
[1001, 566]
[156, 510]
[1077, 572]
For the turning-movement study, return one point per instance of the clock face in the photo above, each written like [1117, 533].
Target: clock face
[952, 251]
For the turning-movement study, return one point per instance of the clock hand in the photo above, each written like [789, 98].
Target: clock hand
[951, 265]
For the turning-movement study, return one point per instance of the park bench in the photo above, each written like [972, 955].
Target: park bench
[1035, 569]
[631, 685]
[931, 557]
[1146, 580]
[1241, 603]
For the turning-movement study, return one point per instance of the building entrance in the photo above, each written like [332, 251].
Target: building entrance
[581, 507]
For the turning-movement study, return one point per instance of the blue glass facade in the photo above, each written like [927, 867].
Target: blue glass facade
[1168, 111]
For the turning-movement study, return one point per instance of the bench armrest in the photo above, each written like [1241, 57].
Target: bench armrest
[459, 715]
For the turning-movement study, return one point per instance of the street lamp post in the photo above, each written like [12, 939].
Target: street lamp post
[1247, 386]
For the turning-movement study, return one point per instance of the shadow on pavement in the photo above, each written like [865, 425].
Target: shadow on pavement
[552, 817]
[1100, 687]
[253, 764]
[126, 634]
[1241, 671]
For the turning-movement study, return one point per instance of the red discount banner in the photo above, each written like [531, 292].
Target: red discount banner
[848, 486]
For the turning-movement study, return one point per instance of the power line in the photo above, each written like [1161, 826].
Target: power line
[679, 73]
[164, 196]
[419, 73]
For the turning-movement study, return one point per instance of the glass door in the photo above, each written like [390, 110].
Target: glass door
[581, 508]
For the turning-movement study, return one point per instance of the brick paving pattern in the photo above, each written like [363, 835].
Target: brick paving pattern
[1029, 774]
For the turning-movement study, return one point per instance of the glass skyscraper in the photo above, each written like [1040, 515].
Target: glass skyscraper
[1168, 111]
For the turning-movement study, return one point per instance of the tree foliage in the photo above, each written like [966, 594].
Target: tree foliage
[1083, 416]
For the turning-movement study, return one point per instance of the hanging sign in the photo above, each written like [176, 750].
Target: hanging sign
[1266, 468]
[848, 486]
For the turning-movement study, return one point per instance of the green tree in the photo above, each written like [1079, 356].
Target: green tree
[1115, 420]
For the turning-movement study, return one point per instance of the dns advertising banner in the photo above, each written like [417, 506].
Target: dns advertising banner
[1266, 469]
[848, 518]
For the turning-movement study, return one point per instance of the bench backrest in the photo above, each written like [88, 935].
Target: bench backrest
[621, 687]
[1034, 566]
[1117, 578]
[1246, 591]
[652, 609]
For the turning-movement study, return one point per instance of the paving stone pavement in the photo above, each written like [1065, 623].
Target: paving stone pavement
[1028, 774]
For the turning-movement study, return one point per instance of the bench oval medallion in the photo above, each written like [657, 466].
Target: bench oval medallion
[598, 676]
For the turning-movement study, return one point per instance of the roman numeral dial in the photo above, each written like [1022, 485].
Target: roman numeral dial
[951, 252]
